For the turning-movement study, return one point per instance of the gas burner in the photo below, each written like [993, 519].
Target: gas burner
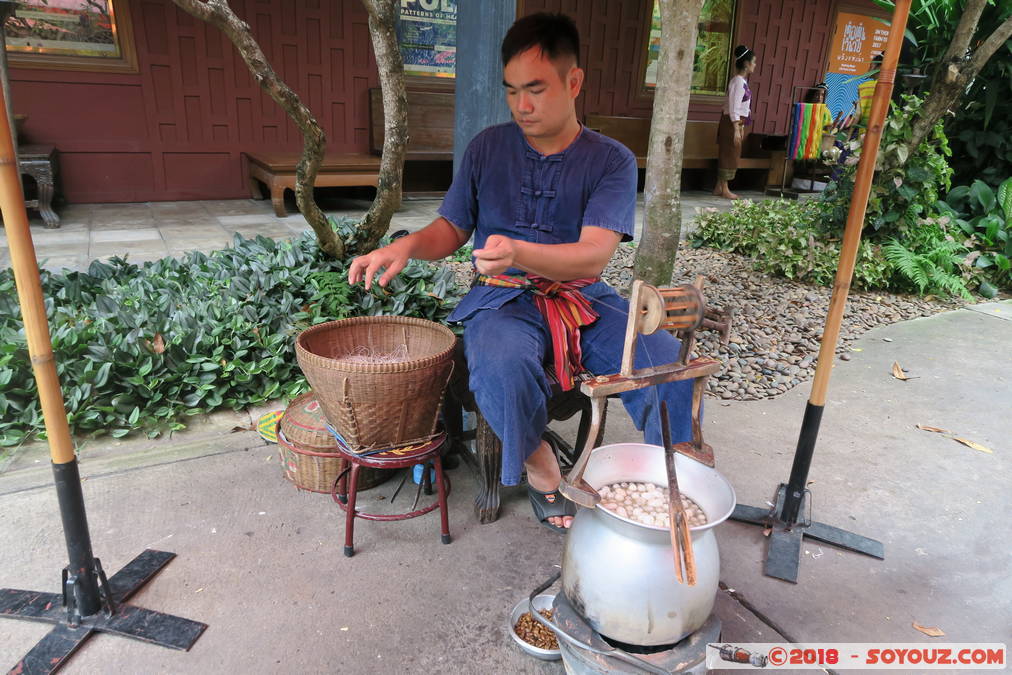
[687, 656]
[637, 649]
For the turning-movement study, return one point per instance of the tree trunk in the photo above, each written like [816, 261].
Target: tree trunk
[382, 29]
[954, 74]
[218, 13]
[662, 227]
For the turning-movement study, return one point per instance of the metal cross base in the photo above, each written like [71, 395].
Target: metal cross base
[126, 620]
[783, 557]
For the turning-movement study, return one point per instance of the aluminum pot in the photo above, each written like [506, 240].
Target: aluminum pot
[620, 575]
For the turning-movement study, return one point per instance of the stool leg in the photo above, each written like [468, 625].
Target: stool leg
[441, 489]
[349, 519]
[489, 453]
[426, 481]
[342, 482]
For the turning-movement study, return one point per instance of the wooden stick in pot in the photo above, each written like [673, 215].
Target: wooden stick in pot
[681, 538]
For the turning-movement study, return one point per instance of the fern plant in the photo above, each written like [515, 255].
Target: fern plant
[932, 269]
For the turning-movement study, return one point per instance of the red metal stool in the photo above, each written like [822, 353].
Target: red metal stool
[397, 458]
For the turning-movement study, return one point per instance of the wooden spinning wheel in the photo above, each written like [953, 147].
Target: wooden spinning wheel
[680, 310]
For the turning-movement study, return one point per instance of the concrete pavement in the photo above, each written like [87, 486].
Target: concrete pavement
[261, 563]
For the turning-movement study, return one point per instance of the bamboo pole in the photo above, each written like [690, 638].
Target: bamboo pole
[29, 285]
[859, 203]
[794, 496]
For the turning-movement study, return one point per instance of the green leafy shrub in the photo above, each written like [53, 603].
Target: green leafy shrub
[145, 346]
[984, 216]
[912, 241]
[788, 239]
[905, 194]
[463, 254]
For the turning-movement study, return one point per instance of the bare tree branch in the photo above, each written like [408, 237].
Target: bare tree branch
[989, 46]
[382, 29]
[964, 33]
[218, 13]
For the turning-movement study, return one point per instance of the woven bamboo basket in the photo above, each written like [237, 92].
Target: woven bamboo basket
[309, 456]
[378, 405]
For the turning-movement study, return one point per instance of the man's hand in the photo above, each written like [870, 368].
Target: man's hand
[496, 257]
[390, 258]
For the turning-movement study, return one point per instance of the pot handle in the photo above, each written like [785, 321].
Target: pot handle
[563, 635]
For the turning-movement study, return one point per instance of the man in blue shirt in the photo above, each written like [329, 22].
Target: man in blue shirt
[547, 201]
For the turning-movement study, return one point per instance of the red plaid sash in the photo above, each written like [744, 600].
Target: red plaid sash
[564, 309]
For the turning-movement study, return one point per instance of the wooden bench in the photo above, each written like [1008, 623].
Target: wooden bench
[430, 138]
[276, 170]
[430, 124]
[700, 142]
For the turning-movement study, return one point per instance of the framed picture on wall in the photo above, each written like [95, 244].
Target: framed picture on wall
[427, 34]
[713, 48]
[71, 35]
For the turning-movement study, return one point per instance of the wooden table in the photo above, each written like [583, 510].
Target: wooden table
[39, 162]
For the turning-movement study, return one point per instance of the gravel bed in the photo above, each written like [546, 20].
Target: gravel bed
[777, 323]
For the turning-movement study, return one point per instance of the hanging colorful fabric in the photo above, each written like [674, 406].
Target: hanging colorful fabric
[795, 131]
[814, 131]
[806, 120]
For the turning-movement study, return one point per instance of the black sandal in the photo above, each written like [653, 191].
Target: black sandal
[550, 505]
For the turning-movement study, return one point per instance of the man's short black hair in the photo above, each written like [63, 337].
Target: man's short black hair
[555, 34]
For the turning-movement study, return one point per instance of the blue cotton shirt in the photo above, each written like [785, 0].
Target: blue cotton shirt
[504, 186]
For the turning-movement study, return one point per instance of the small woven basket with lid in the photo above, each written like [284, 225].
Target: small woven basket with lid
[309, 456]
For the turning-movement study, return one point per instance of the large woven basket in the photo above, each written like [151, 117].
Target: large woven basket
[309, 456]
[378, 405]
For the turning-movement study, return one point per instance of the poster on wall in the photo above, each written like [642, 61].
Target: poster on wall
[858, 38]
[713, 48]
[63, 27]
[427, 34]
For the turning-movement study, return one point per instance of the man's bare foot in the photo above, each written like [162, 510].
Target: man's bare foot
[727, 194]
[544, 475]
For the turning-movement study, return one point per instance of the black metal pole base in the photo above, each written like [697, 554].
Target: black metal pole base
[783, 557]
[126, 620]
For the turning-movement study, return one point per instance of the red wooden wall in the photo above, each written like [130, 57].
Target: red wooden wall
[177, 128]
[791, 38]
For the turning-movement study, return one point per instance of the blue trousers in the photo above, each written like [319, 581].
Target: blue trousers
[507, 350]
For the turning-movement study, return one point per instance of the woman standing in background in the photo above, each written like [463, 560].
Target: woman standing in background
[731, 129]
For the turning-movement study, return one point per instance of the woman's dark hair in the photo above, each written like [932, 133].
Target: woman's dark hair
[555, 34]
[817, 94]
[742, 55]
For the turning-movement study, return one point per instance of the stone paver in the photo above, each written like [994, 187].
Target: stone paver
[125, 235]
